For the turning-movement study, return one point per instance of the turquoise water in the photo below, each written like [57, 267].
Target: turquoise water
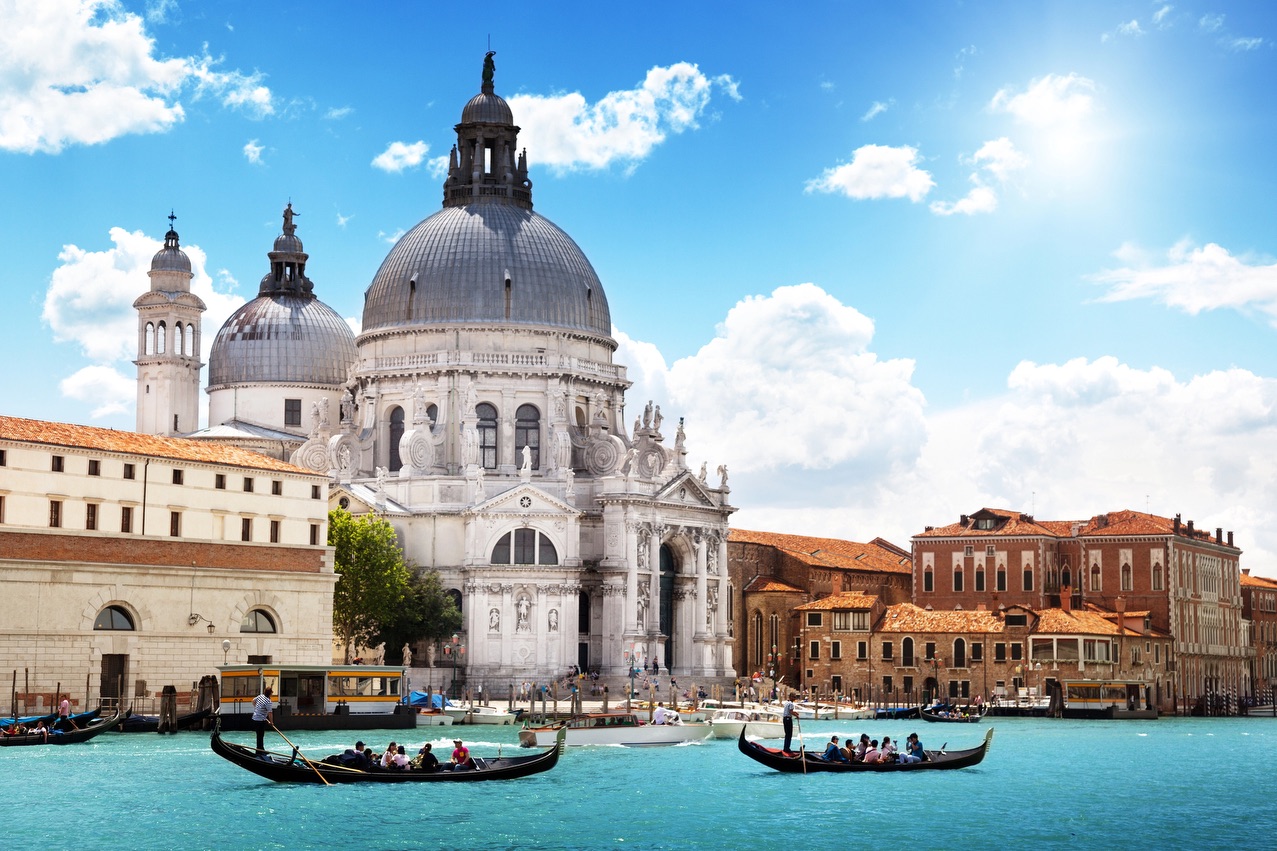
[1165, 784]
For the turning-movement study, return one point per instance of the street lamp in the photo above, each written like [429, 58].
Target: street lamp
[226, 649]
[773, 662]
[633, 666]
[456, 651]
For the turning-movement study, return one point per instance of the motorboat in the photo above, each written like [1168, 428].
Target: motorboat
[615, 728]
[477, 713]
[757, 723]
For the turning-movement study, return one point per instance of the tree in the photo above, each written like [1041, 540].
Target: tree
[373, 578]
[428, 613]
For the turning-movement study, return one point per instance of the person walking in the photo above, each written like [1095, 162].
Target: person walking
[787, 719]
[263, 714]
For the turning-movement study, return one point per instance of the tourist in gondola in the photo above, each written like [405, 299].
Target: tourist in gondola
[425, 759]
[833, 753]
[913, 749]
[888, 749]
[461, 760]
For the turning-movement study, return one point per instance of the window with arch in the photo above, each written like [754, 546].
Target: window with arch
[524, 546]
[1002, 578]
[906, 653]
[1027, 578]
[1096, 585]
[161, 338]
[396, 434]
[1157, 577]
[179, 339]
[487, 435]
[257, 621]
[979, 577]
[757, 631]
[928, 580]
[957, 579]
[148, 345]
[114, 618]
[1127, 584]
[432, 412]
[960, 653]
[1066, 577]
[527, 432]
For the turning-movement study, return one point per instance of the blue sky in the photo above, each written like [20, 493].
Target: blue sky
[892, 262]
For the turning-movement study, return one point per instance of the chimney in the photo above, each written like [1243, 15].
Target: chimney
[1190, 528]
[962, 521]
[1066, 598]
[1176, 524]
[1121, 608]
[1219, 535]
[1230, 538]
[1245, 571]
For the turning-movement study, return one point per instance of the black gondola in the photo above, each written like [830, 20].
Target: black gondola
[134, 723]
[293, 768]
[69, 737]
[799, 763]
[946, 714]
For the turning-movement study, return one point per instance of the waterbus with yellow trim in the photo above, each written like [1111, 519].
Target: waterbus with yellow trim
[317, 697]
[1106, 699]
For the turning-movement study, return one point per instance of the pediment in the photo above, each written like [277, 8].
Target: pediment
[686, 489]
[361, 499]
[523, 500]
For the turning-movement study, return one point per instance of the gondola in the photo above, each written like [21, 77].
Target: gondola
[809, 763]
[68, 738]
[80, 719]
[294, 768]
[941, 714]
[134, 723]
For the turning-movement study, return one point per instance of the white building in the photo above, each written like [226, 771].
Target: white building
[480, 410]
[128, 559]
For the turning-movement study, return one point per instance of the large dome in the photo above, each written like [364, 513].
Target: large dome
[286, 339]
[490, 262]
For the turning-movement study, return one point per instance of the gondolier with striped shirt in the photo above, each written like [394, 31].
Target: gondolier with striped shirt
[787, 719]
[263, 714]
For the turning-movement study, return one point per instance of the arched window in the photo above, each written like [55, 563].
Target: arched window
[524, 546]
[527, 432]
[179, 339]
[979, 577]
[928, 580]
[1002, 577]
[957, 579]
[487, 435]
[149, 343]
[1095, 578]
[906, 653]
[1126, 578]
[432, 411]
[161, 339]
[257, 621]
[1157, 577]
[115, 618]
[758, 640]
[396, 434]
[960, 653]
[1066, 578]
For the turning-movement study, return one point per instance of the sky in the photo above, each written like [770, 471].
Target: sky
[891, 263]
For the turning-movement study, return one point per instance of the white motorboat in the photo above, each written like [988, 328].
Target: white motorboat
[475, 713]
[615, 728]
[433, 718]
[760, 724]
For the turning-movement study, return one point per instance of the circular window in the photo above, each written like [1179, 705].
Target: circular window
[526, 502]
[344, 502]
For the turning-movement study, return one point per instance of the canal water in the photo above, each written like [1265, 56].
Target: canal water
[1166, 784]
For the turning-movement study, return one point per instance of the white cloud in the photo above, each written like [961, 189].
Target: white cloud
[400, 156]
[980, 199]
[437, 167]
[104, 388]
[338, 113]
[1211, 23]
[1050, 100]
[89, 303]
[391, 238]
[999, 158]
[878, 108]
[83, 72]
[1193, 279]
[253, 152]
[877, 171]
[1159, 17]
[568, 133]
[1244, 43]
[342, 220]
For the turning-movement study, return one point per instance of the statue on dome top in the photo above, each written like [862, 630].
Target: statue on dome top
[289, 227]
[489, 67]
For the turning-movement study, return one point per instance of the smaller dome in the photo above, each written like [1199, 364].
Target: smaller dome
[288, 242]
[287, 339]
[170, 258]
[486, 108]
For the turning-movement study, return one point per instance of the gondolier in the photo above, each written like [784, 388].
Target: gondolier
[787, 719]
[263, 714]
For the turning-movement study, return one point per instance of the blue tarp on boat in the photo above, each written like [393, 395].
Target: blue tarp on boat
[422, 700]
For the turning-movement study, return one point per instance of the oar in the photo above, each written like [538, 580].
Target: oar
[802, 750]
[302, 755]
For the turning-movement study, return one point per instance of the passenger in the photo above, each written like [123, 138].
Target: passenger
[833, 753]
[861, 747]
[388, 758]
[461, 760]
[425, 759]
[354, 757]
[913, 750]
[888, 749]
[872, 754]
[658, 715]
[400, 760]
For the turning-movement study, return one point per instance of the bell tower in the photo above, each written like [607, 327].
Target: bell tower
[168, 344]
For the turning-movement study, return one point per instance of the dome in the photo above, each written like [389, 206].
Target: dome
[170, 258]
[490, 262]
[288, 242]
[488, 109]
[293, 339]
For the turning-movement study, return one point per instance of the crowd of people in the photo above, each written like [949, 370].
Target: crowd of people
[395, 758]
[869, 751]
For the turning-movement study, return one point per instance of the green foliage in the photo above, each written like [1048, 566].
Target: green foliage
[374, 580]
[428, 613]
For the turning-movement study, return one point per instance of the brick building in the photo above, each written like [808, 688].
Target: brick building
[1259, 608]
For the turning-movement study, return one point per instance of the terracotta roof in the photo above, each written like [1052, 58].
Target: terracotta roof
[1075, 622]
[132, 443]
[879, 556]
[1012, 523]
[844, 600]
[770, 583]
[1258, 581]
[906, 617]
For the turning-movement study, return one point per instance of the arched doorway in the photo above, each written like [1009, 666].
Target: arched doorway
[669, 566]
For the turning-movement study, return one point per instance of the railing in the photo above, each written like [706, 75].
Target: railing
[538, 361]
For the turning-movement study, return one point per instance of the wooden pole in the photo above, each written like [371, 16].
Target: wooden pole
[87, 677]
[15, 695]
[302, 755]
[26, 689]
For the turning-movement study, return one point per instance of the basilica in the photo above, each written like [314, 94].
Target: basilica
[479, 410]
